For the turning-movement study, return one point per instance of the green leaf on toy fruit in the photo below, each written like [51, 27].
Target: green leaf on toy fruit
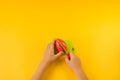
[70, 46]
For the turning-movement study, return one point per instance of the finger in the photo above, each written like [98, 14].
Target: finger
[71, 55]
[52, 43]
[66, 59]
[59, 54]
[48, 45]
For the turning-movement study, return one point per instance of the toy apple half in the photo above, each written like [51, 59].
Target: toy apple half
[60, 45]
[64, 46]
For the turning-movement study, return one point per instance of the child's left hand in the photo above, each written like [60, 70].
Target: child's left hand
[49, 55]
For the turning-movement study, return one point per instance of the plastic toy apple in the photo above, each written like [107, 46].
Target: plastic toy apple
[60, 45]
[64, 46]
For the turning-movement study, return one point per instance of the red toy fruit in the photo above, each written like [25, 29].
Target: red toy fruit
[60, 45]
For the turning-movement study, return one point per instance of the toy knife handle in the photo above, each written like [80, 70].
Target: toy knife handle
[68, 56]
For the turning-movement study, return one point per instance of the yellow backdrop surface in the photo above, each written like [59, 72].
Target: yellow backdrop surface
[27, 26]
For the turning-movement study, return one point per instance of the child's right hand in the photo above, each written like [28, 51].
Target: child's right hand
[75, 64]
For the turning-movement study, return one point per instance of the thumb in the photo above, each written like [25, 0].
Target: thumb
[58, 54]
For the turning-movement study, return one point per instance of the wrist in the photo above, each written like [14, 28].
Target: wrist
[81, 75]
[43, 66]
[77, 69]
[45, 63]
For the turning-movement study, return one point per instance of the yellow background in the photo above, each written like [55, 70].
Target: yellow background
[27, 26]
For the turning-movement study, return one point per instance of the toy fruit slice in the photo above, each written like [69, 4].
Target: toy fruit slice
[70, 46]
[60, 45]
[64, 46]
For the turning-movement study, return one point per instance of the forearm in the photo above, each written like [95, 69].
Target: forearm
[40, 71]
[81, 75]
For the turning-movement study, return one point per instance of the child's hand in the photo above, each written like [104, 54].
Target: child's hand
[75, 65]
[74, 62]
[48, 58]
[49, 55]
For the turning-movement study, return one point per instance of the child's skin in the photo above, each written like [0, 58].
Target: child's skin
[49, 57]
